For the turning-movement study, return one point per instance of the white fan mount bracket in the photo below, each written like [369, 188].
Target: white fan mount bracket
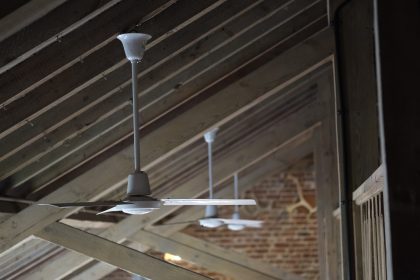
[210, 135]
[134, 45]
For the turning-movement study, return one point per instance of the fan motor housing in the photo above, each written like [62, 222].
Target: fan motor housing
[211, 211]
[138, 184]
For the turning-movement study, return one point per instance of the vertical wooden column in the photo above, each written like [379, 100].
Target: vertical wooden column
[327, 180]
[397, 38]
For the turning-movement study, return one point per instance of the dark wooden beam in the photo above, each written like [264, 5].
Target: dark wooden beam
[398, 67]
[24, 40]
[355, 49]
[358, 97]
[63, 51]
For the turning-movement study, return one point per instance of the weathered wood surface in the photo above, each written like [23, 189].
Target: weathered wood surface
[27, 41]
[357, 82]
[107, 54]
[371, 187]
[25, 15]
[397, 68]
[113, 253]
[327, 180]
[110, 22]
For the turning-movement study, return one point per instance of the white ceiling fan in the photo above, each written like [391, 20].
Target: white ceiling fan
[211, 219]
[138, 200]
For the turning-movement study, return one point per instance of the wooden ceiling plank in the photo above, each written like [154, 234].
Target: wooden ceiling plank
[108, 54]
[230, 102]
[275, 162]
[25, 15]
[120, 129]
[113, 100]
[34, 37]
[113, 253]
[64, 52]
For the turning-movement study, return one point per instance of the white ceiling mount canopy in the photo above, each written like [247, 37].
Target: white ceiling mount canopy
[210, 135]
[134, 45]
[138, 201]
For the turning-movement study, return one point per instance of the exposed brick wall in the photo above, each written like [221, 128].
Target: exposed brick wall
[288, 240]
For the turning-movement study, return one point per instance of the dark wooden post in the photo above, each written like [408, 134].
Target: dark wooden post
[398, 67]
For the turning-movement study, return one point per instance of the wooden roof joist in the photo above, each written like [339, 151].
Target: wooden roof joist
[116, 254]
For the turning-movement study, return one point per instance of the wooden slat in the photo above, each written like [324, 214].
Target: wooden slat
[264, 82]
[25, 15]
[110, 22]
[276, 162]
[113, 253]
[371, 187]
[38, 35]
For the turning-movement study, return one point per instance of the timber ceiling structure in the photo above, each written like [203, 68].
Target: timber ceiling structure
[258, 69]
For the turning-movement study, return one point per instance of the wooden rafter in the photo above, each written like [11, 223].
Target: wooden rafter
[114, 253]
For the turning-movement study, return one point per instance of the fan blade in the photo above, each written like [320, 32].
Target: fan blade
[210, 222]
[116, 208]
[176, 223]
[83, 204]
[136, 207]
[204, 202]
[247, 223]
